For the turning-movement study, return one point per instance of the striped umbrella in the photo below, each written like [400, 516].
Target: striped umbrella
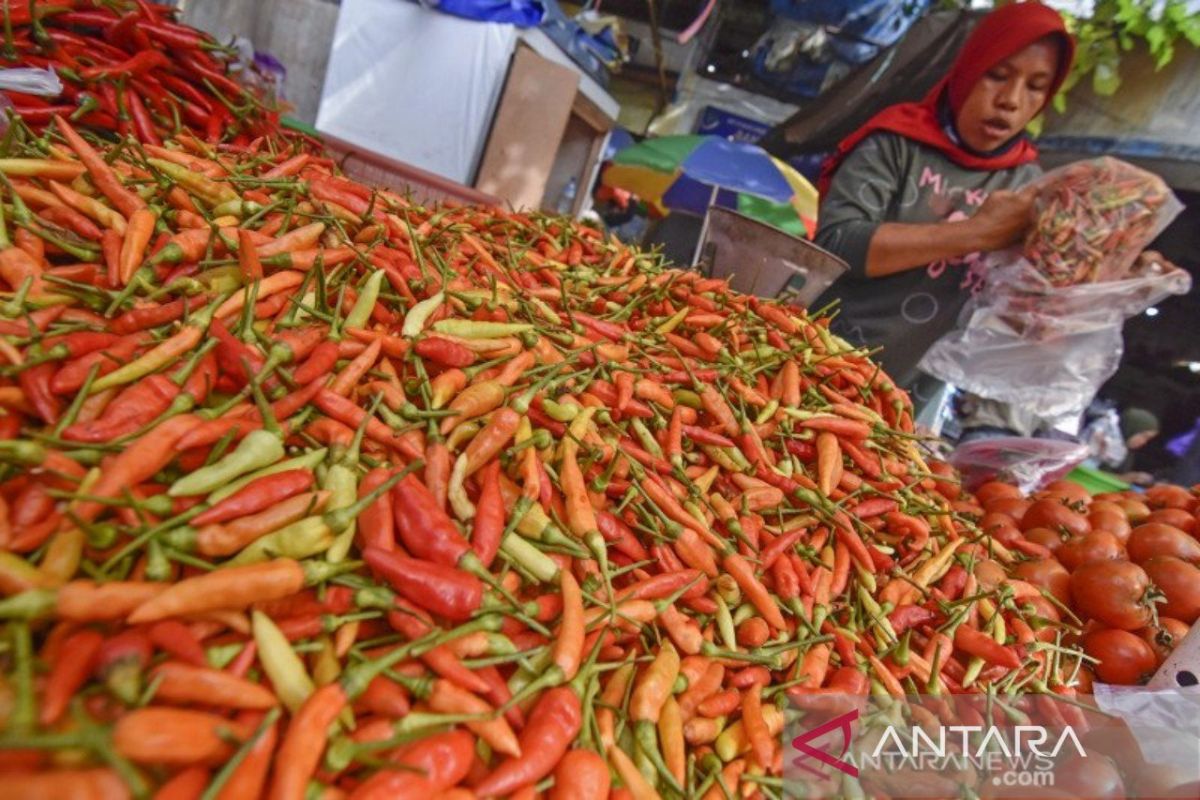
[691, 173]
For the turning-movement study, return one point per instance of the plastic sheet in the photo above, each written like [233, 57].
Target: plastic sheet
[1028, 463]
[415, 85]
[1047, 348]
[29, 80]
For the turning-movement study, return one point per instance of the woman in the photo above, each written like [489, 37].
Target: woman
[913, 198]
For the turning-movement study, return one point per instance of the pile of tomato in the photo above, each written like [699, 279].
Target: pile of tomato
[1121, 567]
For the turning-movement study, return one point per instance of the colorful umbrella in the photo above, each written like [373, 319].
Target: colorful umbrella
[690, 173]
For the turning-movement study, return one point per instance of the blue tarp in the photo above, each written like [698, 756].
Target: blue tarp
[829, 38]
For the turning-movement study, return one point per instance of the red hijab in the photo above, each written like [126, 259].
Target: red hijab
[1002, 33]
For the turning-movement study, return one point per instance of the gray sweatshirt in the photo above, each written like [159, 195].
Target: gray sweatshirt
[890, 178]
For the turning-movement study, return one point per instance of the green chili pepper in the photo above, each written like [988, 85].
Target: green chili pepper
[360, 314]
[480, 329]
[414, 321]
[259, 449]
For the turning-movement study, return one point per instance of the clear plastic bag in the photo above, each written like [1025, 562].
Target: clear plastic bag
[29, 80]
[1047, 348]
[1027, 463]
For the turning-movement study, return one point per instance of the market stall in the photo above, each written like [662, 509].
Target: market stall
[310, 487]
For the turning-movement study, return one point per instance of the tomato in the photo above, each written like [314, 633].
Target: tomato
[1094, 546]
[1135, 510]
[1051, 540]
[1014, 507]
[1054, 515]
[1124, 658]
[1112, 592]
[1156, 539]
[989, 574]
[1105, 505]
[1067, 491]
[1049, 574]
[1112, 521]
[1176, 518]
[1167, 495]
[1180, 582]
[1095, 777]
[994, 490]
[1164, 638]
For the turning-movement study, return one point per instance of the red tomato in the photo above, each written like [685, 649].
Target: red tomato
[1175, 517]
[1166, 495]
[1014, 507]
[1164, 638]
[1112, 592]
[1049, 574]
[1094, 546]
[1180, 582]
[1067, 491]
[1095, 777]
[1054, 515]
[1135, 510]
[1047, 538]
[1124, 657]
[1156, 539]
[994, 490]
[1112, 521]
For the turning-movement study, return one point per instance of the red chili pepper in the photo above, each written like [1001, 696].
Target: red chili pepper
[75, 664]
[911, 616]
[234, 355]
[35, 382]
[71, 376]
[136, 405]
[319, 363]
[424, 528]
[173, 36]
[144, 61]
[258, 495]
[953, 582]
[443, 590]
[444, 351]
[489, 516]
[618, 534]
[72, 220]
[384, 696]
[413, 623]
[142, 123]
[977, 643]
[185, 90]
[665, 585]
[173, 637]
[705, 436]
[195, 61]
[553, 724]
[376, 524]
[99, 18]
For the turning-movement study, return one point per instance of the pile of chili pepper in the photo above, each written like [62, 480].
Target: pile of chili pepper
[307, 490]
[130, 69]
[1093, 218]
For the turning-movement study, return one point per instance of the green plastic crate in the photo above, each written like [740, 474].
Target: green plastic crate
[1096, 481]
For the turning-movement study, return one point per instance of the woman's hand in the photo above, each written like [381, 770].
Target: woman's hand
[1003, 218]
[1001, 221]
